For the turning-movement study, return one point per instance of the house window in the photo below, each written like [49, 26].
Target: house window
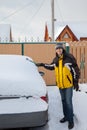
[66, 36]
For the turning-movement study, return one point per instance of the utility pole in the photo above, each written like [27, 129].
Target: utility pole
[52, 6]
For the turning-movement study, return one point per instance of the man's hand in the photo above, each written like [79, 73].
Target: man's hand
[76, 85]
[40, 64]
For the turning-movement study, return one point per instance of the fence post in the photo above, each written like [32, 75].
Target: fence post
[67, 47]
[82, 66]
[22, 48]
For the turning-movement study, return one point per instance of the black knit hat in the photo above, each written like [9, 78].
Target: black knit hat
[59, 45]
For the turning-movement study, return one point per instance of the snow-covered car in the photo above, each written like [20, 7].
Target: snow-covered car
[23, 93]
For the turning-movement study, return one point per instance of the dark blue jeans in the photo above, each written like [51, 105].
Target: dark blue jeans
[66, 97]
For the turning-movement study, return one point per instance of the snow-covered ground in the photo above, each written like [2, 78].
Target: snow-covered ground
[55, 109]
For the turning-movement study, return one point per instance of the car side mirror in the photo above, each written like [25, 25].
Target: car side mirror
[41, 73]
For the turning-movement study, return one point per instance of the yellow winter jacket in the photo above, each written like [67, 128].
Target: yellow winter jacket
[64, 77]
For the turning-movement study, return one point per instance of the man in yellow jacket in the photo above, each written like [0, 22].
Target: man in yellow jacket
[67, 75]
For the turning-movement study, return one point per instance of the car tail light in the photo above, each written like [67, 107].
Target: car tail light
[45, 98]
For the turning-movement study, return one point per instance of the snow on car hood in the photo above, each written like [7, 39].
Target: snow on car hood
[19, 76]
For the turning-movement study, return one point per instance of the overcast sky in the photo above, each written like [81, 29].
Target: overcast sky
[28, 17]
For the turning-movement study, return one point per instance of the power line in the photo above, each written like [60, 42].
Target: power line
[33, 15]
[15, 12]
[59, 10]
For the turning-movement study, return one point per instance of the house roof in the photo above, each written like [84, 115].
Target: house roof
[66, 33]
[5, 33]
[78, 28]
[60, 29]
[46, 36]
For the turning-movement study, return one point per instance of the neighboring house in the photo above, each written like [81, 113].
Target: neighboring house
[66, 34]
[83, 38]
[46, 35]
[71, 31]
[5, 33]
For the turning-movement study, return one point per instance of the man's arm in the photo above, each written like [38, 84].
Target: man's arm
[46, 66]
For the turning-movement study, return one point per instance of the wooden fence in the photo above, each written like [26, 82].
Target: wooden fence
[79, 50]
[45, 52]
